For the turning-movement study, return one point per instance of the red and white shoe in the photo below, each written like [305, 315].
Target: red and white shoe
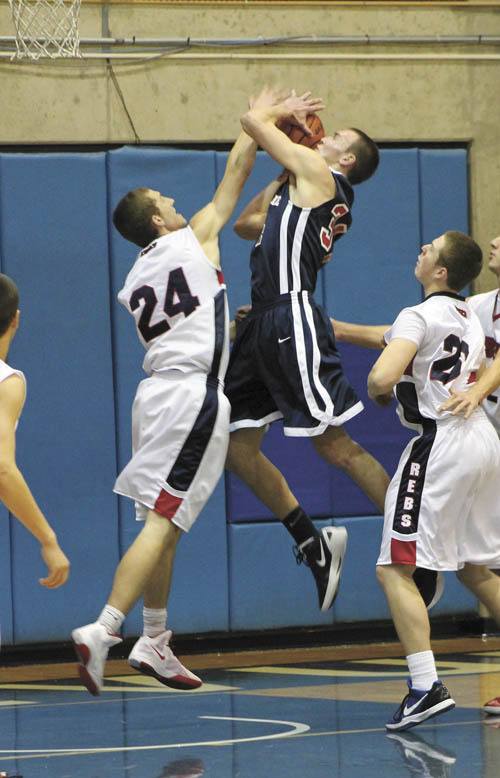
[92, 643]
[493, 707]
[153, 656]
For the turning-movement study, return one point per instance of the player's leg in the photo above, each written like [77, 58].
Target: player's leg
[427, 697]
[93, 641]
[246, 460]
[322, 551]
[152, 654]
[339, 449]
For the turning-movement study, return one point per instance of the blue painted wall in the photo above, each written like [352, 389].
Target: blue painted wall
[79, 351]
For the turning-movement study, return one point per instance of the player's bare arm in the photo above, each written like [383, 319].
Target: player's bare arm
[389, 367]
[311, 183]
[14, 491]
[366, 335]
[465, 403]
[251, 220]
[208, 222]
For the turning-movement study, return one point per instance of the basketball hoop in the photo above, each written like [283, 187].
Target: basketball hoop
[46, 28]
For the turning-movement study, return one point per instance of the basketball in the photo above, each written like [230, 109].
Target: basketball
[297, 135]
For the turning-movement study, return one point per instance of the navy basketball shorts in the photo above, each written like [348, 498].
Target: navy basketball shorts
[180, 434]
[284, 365]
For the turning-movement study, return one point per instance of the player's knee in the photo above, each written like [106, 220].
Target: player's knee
[340, 453]
[472, 575]
[383, 575]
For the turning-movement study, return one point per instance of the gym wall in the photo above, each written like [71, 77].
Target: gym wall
[82, 360]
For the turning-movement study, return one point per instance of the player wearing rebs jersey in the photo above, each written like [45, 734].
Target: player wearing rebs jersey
[440, 511]
[487, 389]
[284, 363]
[180, 418]
[14, 491]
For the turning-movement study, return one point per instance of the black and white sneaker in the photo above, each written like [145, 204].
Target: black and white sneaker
[324, 555]
[419, 706]
[429, 761]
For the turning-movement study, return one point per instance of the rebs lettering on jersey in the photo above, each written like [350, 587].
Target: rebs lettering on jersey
[408, 520]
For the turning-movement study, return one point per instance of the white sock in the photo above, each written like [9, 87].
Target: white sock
[112, 619]
[155, 621]
[422, 670]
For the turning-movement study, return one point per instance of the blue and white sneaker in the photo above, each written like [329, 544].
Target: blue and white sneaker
[419, 706]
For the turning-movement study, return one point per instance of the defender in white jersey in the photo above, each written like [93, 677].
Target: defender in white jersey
[440, 508]
[14, 491]
[180, 418]
[487, 389]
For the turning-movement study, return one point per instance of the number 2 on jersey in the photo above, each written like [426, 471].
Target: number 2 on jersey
[178, 287]
[448, 368]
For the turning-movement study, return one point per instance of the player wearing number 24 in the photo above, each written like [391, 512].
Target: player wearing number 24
[180, 418]
[441, 506]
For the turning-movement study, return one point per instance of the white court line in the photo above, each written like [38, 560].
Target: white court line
[32, 753]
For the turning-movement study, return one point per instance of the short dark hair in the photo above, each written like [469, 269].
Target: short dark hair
[367, 157]
[9, 302]
[462, 258]
[132, 217]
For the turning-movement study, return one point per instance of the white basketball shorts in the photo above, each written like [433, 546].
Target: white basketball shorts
[180, 433]
[441, 508]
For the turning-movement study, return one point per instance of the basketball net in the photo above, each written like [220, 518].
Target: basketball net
[46, 28]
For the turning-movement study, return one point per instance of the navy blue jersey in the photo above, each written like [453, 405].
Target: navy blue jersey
[296, 242]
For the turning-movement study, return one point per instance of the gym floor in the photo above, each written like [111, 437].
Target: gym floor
[312, 713]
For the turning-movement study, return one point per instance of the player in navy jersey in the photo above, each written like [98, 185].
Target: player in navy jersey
[284, 363]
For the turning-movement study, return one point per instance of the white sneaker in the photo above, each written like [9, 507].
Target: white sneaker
[153, 656]
[92, 643]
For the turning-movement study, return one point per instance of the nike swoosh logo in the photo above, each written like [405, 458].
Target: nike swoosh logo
[157, 652]
[407, 711]
[321, 562]
[282, 340]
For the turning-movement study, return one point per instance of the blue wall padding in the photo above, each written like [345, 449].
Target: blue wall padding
[444, 191]
[58, 256]
[189, 177]
[267, 589]
[360, 597]
[83, 360]
[370, 277]
[6, 631]
[235, 252]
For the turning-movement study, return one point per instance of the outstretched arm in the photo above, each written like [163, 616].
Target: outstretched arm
[208, 222]
[366, 335]
[465, 403]
[14, 491]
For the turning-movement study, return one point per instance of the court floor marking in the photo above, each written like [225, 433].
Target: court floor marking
[150, 685]
[298, 731]
[297, 728]
[444, 668]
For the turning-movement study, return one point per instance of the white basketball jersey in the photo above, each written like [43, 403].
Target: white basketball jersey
[450, 344]
[6, 371]
[178, 301]
[487, 308]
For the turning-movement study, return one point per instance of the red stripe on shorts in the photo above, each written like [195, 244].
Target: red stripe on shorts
[167, 504]
[403, 552]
